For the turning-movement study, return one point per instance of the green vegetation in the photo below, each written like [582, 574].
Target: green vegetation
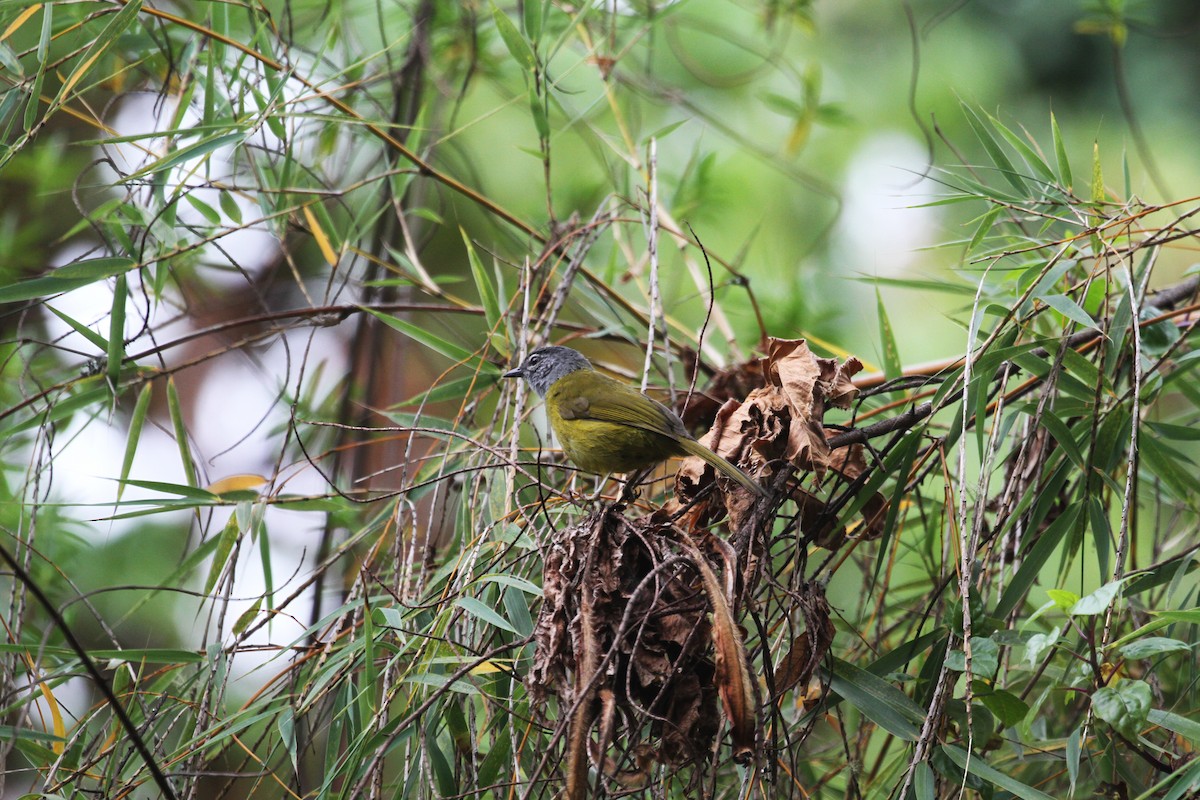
[273, 526]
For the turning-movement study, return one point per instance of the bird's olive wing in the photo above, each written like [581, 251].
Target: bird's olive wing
[625, 406]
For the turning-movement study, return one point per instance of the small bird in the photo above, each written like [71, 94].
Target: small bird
[605, 426]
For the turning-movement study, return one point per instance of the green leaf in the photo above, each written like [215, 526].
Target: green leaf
[192, 151]
[1027, 153]
[977, 766]
[181, 437]
[1098, 601]
[517, 45]
[1007, 707]
[517, 608]
[1034, 560]
[1038, 644]
[1064, 438]
[450, 350]
[230, 206]
[892, 368]
[225, 542]
[996, 152]
[81, 329]
[441, 682]
[449, 390]
[136, 422]
[116, 26]
[483, 612]
[246, 617]
[535, 11]
[206, 211]
[878, 700]
[1098, 193]
[1184, 726]
[515, 581]
[483, 283]
[66, 278]
[1069, 309]
[116, 331]
[984, 227]
[193, 492]
[1154, 646]
[985, 657]
[1125, 707]
[1060, 153]
[537, 109]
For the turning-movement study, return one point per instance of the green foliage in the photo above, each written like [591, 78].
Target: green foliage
[366, 213]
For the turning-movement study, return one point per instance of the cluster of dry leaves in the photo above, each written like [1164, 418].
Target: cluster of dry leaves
[638, 635]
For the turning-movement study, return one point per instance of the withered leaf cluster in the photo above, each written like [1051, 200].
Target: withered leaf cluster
[638, 635]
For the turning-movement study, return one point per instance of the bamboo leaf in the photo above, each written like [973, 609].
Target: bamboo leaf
[878, 700]
[136, 422]
[1060, 153]
[977, 766]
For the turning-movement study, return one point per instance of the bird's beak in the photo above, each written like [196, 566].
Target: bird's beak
[514, 373]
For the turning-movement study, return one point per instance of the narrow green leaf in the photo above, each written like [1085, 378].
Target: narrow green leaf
[924, 783]
[517, 45]
[517, 608]
[149, 655]
[225, 542]
[1065, 439]
[485, 613]
[878, 700]
[984, 227]
[996, 152]
[230, 207]
[193, 492]
[1060, 153]
[1027, 153]
[181, 435]
[977, 766]
[515, 581]
[533, 19]
[1073, 753]
[441, 681]
[116, 332]
[85, 393]
[246, 617]
[443, 773]
[483, 284]
[537, 109]
[116, 26]
[890, 354]
[1184, 726]
[65, 278]
[140, 409]
[452, 351]
[197, 150]
[1035, 559]
[1175, 469]
[1098, 193]
[81, 329]
[1070, 309]
[206, 211]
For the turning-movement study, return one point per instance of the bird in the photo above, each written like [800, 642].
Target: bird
[607, 426]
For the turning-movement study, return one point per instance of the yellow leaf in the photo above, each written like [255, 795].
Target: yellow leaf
[21, 19]
[322, 240]
[236, 483]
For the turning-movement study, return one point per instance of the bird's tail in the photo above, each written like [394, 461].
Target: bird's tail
[694, 448]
